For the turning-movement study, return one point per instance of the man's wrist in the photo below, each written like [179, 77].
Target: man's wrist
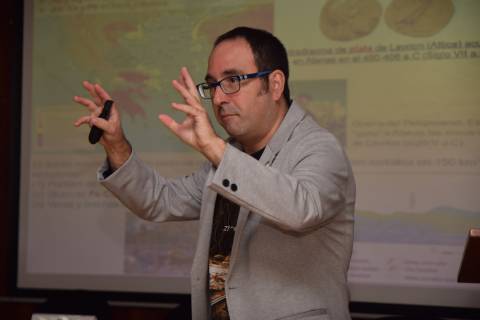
[214, 152]
[118, 154]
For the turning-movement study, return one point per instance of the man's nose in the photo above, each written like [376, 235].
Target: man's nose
[219, 96]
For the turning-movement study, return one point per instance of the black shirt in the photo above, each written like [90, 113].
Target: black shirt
[223, 232]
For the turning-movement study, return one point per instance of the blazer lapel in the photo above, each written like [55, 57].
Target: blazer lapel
[294, 115]
[244, 216]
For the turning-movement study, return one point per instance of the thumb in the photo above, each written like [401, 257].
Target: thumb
[99, 123]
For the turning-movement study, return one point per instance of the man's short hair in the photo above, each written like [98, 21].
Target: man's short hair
[268, 52]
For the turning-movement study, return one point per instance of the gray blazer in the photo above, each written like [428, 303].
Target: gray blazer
[294, 234]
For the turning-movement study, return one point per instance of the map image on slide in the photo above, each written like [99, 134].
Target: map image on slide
[123, 47]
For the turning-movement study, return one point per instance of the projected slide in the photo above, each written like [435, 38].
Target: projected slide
[412, 125]
[395, 81]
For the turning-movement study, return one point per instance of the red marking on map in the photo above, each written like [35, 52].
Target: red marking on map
[115, 29]
[136, 90]
[128, 105]
[133, 76]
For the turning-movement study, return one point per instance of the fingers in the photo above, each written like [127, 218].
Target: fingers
[92, 106]
[187, 96]
[92, 121]
[188, 81]
[97, 93]
[82, 120]
[188, 109]
[98, 97]
[169, 123]
[102, 93]
[95, 105]
[185, 80]
[91, 91]
[110, 125]
[100, 123]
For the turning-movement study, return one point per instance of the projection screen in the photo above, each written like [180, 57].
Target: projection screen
[395, 81]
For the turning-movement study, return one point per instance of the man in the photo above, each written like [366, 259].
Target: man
[275, 201]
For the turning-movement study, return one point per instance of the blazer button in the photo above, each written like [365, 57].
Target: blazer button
[234, 187]
[225, 183]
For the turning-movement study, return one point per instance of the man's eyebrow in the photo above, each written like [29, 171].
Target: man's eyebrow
[226, 73]
[209, 78]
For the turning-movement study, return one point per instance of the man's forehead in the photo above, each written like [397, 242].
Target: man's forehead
[230, 57]
[223, 74]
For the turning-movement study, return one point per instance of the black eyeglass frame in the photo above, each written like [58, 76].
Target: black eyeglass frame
[205, 87]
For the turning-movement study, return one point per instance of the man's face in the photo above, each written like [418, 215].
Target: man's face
[245, 114]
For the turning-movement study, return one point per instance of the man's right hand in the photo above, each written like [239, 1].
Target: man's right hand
[116, 146]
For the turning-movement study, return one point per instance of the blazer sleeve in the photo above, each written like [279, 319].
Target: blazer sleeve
[152, 197]
[314, 183]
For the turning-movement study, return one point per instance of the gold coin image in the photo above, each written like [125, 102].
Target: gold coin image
[345, 20]
[418, 18]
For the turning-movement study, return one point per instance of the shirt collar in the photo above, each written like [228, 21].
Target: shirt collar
[294, 115]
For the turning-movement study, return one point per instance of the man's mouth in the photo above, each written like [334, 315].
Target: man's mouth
[227, 117]
[225, 113]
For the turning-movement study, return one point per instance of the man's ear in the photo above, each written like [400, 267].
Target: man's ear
[276, 83]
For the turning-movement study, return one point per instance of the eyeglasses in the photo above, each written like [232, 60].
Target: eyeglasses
[229, 85]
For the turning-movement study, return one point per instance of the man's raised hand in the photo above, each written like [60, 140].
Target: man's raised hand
[196, 129]
[113, 139]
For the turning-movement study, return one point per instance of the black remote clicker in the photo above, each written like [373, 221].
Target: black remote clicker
[95, 132]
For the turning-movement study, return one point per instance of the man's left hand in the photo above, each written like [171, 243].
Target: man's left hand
[196, 129]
